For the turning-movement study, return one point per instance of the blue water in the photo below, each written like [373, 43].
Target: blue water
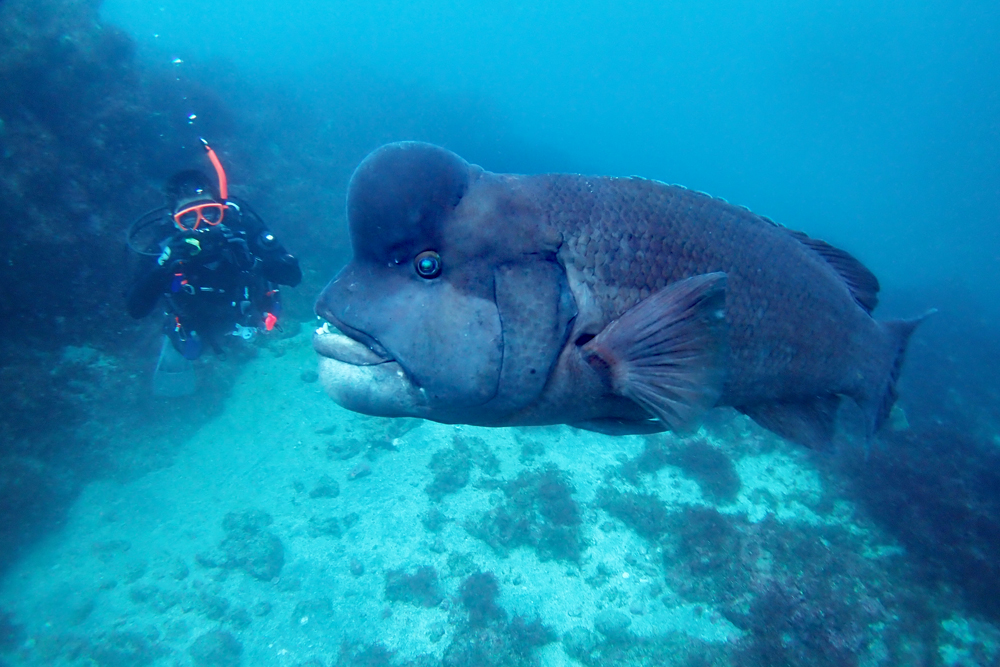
[869, 125]
[256, 523]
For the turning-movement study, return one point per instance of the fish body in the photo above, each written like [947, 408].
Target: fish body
[621, 305]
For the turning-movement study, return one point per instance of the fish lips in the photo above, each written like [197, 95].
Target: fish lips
[361, 379]
[330, 341]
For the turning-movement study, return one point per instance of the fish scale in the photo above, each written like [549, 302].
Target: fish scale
[629, 237]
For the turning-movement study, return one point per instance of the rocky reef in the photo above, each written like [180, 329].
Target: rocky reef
[539, 511]
[89, 130]
[86, 134]
[937, 489]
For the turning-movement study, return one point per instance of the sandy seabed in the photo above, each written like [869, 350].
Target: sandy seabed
[142, 570]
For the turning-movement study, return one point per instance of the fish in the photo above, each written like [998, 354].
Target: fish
[616, 305]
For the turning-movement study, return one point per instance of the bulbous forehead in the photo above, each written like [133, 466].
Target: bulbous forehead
[399, 196]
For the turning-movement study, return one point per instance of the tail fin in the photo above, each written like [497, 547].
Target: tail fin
[880, 395]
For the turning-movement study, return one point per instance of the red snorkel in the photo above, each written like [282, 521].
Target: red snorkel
[219, 171]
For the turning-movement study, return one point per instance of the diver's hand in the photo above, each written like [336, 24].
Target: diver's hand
[179, 249]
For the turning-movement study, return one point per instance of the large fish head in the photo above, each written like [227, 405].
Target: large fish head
[453, 307]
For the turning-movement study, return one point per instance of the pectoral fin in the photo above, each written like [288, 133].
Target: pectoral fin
[668, 352]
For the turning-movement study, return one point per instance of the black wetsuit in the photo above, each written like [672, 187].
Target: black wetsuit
[231, 280]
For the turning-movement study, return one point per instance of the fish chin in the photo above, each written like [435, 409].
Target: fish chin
[358, 379]
[382, 390]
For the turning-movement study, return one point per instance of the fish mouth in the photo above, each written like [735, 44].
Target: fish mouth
[362, 376]
[331, 342]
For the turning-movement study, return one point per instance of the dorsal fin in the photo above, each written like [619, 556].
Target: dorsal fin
[862, 282]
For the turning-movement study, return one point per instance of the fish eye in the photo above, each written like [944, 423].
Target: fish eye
[428, 264]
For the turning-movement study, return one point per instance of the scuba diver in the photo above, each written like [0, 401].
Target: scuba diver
[217, 266]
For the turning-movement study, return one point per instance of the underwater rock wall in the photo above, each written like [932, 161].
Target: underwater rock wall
[83, 135]
[86, 135]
